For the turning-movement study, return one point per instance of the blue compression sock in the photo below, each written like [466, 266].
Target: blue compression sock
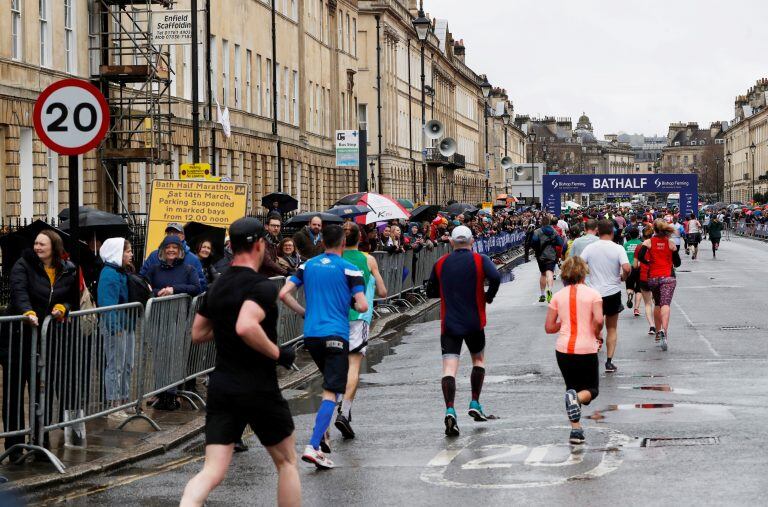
[322, 422]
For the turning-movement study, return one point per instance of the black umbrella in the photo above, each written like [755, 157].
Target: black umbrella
[195, 233]
[304, 218]
[459, 208]
[424, 213]
[285, 202]
[350, 199]
[349, 211]
[96, 222]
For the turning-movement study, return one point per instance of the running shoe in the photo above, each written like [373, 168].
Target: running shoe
[451, 427]
[541, 298]
[343, 425]
[610, 367]
[476, 411]
[577, 436]
[630, 303]
[317, 458]
[637, 312]
[549, 296]
[572, 407]
[663, 340]
[652, 331]
[658, 337]
[325, 444]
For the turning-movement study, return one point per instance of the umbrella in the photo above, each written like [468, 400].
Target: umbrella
[304, 218]
[14, 243]
[383, 207]
[407, 203]
[424, 213]
[349, 211]
[285, 202]
[94, 222]
[572, 205]
[459, 208]
[195, 233]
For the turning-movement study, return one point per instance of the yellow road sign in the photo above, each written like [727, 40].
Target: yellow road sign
[199, 171]
[211, 203]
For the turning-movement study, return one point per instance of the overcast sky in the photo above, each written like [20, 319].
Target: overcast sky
[631, 65]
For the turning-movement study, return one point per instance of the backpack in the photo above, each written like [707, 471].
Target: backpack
[548, 252]
[139, 290]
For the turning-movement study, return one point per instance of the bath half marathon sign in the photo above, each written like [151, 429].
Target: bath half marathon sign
[217, 204]
[686, 184]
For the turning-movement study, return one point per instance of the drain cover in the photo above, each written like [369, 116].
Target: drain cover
[737, 328]
[679, 442]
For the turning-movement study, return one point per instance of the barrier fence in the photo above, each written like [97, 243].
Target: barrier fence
[101, 361]
[756, 230]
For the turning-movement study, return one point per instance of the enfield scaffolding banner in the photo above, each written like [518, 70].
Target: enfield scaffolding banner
[499, 243]
[172, 27]
[685, 184]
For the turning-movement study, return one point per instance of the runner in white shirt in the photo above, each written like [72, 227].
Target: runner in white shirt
[608, 267]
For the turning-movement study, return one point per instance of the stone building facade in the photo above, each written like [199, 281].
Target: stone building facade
[691, 149]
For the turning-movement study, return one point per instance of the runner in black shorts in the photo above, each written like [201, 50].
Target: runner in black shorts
[239, 313]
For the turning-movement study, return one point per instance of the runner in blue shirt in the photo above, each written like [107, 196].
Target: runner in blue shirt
[331, 286]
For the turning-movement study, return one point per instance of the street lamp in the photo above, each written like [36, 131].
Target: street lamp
[373, 176]
[422, 25]
[532, 139]
[752, 149]
[730, 177]
[485, 88]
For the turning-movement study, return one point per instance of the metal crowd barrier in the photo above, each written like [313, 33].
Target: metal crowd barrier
[290, 326]
[18, 357]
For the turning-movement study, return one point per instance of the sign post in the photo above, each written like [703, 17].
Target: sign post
[71, 117]
[347, 148]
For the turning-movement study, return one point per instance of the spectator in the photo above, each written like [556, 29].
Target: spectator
[172, 275]
[42, 283]
[223, 264]
[205, 255]
[270, 266]
[288, 257]
[309, 240]
[118, 331]
[176, 229]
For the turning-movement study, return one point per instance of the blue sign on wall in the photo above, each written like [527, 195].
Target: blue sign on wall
[685, 184]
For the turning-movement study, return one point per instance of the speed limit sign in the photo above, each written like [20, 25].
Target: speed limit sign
[71, 117]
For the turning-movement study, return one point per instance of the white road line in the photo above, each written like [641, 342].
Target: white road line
[699, 333]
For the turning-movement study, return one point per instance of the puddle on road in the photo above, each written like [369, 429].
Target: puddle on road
[655, 412]
[665, 388]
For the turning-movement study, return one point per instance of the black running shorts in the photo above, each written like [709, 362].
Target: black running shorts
[451, 344]
[227, 415]
[545, 265]
[612, 305]
[580, 372]
[331, 355]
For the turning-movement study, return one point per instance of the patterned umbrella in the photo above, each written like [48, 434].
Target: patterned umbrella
[383, 207]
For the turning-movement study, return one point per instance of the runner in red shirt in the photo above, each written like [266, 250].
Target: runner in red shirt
[642, 284]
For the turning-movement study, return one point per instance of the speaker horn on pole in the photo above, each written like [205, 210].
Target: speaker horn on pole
[434, 129]
[506, 163]
[448, 147]
[520, 171]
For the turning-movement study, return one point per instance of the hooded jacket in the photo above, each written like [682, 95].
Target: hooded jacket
[189, 258]
[31, 289]
[113, 282]
[179, 275]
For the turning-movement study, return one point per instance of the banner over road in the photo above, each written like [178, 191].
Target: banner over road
[686, 184]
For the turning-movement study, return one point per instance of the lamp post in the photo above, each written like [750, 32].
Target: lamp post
[506, 119]
[752, 149]
[422, 25]
[532, 139]
[373, 175]
[485, 88]
[730, 177]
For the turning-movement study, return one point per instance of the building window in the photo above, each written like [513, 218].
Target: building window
[310, 121]
[296, 98]
[238, 78]
[16, 30]
[186, 71]
[52, 161]
[225, 72]
[258, 84]
[349, 29]
[248, 70]
[172, 69]
[268, 88]
[94, 57]
[213, 75]
[286, 87]
[26, 174]
[45, 34]
[70, 40]
[340, 41]
[278, 105]
[354, 36]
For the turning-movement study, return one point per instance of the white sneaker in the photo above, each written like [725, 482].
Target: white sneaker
[317, 458]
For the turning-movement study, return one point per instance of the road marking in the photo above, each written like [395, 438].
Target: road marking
[537, 455]
[698, 332]
[444, 457]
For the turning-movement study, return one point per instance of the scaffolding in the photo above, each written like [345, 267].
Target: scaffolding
[135, 76]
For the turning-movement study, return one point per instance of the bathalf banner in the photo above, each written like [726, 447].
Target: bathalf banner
[685, 184]
[498, 243]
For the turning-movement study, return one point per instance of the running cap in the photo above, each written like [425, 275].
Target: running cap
[174, 226]
[246, 230]
[462, 234]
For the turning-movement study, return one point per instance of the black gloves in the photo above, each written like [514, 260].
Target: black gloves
[287, 357]
[488, 299]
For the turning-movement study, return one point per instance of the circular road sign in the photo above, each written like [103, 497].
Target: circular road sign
[71, 116]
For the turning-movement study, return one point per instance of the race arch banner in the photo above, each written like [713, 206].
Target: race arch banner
[686, 184]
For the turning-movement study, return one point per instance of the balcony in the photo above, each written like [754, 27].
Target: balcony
[437, 159]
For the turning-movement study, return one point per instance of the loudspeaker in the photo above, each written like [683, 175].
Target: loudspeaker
[506, 162]
[448, 147]
[520, 171]
[434, 129]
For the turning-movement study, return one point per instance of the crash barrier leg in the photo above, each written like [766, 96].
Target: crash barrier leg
[164, 348]
[200, 361]
[290, 325]
[19, 342]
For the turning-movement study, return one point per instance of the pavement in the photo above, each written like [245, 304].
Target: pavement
[683, 427]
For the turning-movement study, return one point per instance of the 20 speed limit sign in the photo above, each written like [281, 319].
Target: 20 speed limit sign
[71, 116]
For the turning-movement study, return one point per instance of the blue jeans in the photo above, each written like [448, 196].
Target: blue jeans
[119, 350]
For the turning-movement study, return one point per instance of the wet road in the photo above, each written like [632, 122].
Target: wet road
[685, 427]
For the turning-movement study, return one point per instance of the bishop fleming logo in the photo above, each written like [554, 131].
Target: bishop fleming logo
[555, 184]
[657, 182]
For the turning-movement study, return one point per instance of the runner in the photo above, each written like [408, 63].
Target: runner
[330, 283]
[694, 235]
[359, 323]
[642, 283]
[633, 292]
[659, 253]
[608, 266]
[239, 313]
[715, 232]
[545, 243]
[458, 280]
[576, 313]
[589, 237]
[677, 234]
[705, 224]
